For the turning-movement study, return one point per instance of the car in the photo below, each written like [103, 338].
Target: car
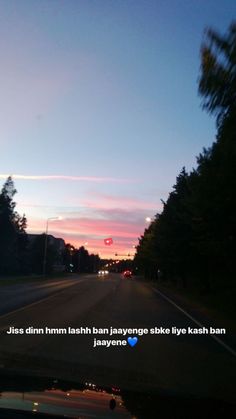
[103, 272]
[127, 274]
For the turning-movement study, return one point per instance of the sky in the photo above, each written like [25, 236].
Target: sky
[99, 111]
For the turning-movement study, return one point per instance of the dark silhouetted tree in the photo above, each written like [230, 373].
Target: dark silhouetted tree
[13, 237]
[217, 83]
[194, 239]
[37, 255]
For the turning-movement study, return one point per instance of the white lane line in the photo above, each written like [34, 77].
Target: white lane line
[228, 348]
[17, 310]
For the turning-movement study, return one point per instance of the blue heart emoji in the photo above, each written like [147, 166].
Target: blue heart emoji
[132, 341]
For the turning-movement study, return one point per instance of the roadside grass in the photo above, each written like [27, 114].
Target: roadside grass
[13, 280]
[220, 303]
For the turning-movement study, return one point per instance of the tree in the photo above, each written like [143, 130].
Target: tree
[146, 259]
[195, 236]
[217, 84]
[81, 260]
[36, 255]
[173, 232]
[68, 257]
[13, 238]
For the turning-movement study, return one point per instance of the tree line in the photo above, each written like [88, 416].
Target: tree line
[193, 240]
[20, 253]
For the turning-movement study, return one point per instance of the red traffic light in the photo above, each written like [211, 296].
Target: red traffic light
[108, 241]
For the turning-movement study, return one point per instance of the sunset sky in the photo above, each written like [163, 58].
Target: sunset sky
[99, 110]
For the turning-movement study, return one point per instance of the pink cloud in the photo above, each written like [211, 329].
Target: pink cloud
[123, 219]
[91, 227]
[81, 230]
[102, 201]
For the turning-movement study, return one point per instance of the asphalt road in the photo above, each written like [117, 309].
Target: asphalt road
[14, 296]
[188, 364]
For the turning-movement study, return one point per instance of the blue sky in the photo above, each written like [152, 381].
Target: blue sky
[105, 92]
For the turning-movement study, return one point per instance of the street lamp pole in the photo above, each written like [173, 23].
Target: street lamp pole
[46, 243]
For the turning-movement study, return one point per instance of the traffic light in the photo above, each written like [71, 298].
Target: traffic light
[108, 241]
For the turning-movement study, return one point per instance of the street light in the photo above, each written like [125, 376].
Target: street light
[71, 258]
[46, 242]
[151, 219]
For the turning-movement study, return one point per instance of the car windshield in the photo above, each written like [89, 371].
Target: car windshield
[117, 243]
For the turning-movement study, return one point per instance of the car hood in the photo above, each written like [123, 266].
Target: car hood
[57, 398]
[61, 398]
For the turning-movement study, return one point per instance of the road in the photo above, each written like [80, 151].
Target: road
[189, 364]
[14, 296]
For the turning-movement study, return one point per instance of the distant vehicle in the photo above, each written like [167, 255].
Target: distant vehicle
[102, 273]
[127, 274]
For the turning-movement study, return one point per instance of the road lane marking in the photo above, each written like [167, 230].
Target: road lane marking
[225, 346]
[17, 310]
